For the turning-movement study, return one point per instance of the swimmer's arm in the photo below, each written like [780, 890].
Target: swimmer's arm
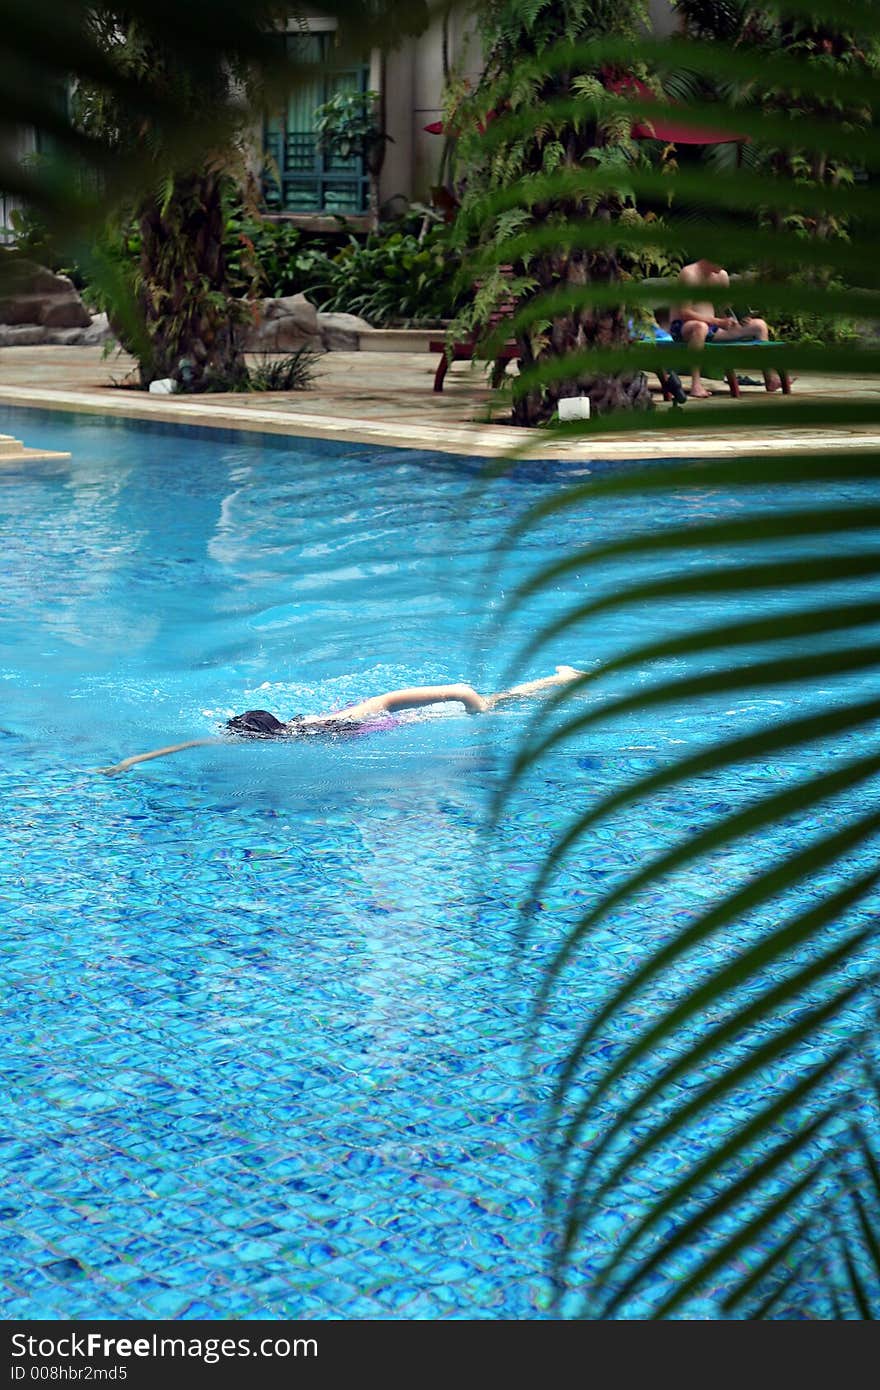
[474, 703]
[563, 675]
[156, 753]
[413, 697]
[432, 695]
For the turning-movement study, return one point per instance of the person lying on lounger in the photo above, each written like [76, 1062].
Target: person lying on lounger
[368, 716]
[697, 324]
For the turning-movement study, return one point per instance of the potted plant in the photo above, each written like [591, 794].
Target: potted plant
[349, 124]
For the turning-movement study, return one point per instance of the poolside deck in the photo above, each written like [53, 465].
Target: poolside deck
[385, 398]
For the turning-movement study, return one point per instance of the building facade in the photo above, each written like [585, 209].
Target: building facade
[303, 184]
[310, 186]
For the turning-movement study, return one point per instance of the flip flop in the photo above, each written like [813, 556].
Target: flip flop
[675, 388]
[750, 380]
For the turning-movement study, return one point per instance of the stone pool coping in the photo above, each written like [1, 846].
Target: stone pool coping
[385, 399]
[13, 451]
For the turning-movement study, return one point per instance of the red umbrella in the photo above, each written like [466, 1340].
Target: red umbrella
[641, 130]
[438, 128]
[663, 130]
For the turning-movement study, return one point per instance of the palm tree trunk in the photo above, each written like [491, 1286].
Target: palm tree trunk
[183, 292]
[578, 332]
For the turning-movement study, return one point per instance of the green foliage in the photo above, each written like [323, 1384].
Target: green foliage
[34, 238]
[347, 125]
[533, 118]
[512, 29]
[724, 20]
[845, 57]
[154, 125]
[724, 1092]
[294, 372]
[267, 258]
[812, 328]
[393, 277]
[178, 304]
[180, 106]
[350, 124]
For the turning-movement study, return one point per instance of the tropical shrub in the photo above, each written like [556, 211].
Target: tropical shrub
[180, 308]
[270, 259]
[156, 121]
[843, 54]
[810, 328]
[293, 372]
[395, 277]
[33, 237]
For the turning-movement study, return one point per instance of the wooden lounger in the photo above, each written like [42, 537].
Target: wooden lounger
[731, 376]
[463, 352]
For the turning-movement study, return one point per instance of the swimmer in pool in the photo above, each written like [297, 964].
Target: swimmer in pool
[367, 716]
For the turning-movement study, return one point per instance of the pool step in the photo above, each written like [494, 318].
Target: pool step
[13, 451]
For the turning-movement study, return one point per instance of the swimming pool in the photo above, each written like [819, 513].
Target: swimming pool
[263, 1040]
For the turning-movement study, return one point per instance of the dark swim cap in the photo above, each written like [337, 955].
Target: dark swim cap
[256, 723]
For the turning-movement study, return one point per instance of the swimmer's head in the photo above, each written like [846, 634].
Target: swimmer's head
[256, 723]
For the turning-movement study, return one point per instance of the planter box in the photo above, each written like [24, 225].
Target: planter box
[399, 339]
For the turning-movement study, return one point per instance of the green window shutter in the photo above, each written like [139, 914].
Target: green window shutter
[301, 177]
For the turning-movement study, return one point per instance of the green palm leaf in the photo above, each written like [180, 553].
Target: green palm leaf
[772, 969]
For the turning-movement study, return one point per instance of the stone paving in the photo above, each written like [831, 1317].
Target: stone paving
[386, 398]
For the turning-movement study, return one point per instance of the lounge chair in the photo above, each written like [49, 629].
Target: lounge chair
[730, 376]
[661, 286]
[463, 350]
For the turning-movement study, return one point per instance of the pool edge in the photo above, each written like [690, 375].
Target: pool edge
[491, 442]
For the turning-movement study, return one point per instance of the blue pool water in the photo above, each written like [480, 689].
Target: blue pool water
[262, 1021]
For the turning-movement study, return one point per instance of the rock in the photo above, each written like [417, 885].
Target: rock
[64, 337]
[23, 308]
[284, 325]
[279, 335]
[98, 330]
[163, 386]
[341, 332]
[34, 294]
[59, 311]
[292, 322]
[27, 277]
[30, 334]
[21, 334]
[292, 306]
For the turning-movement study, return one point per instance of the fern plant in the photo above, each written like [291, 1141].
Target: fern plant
[532, 118]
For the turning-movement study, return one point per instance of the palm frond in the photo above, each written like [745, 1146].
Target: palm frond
[715, 1091]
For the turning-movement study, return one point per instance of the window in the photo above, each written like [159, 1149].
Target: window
[302, 177]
